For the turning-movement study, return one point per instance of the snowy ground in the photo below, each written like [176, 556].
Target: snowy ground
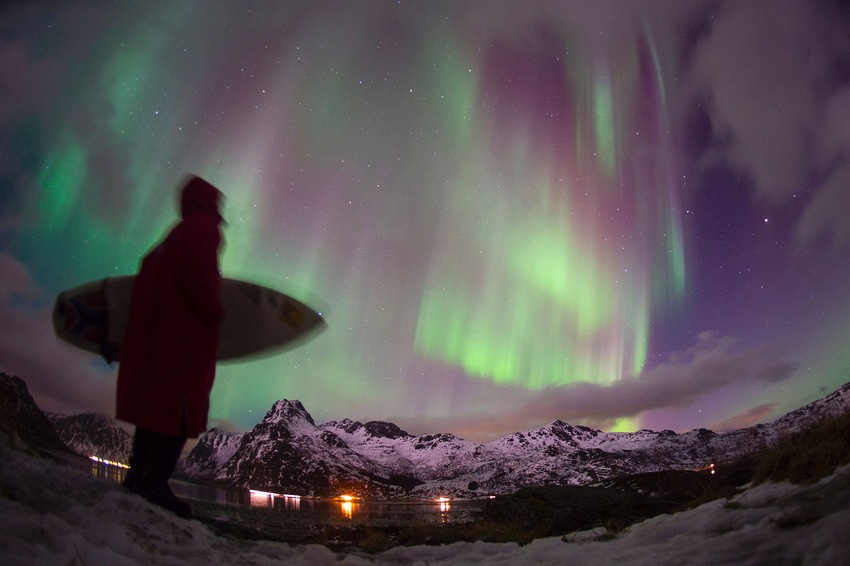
[51, 514]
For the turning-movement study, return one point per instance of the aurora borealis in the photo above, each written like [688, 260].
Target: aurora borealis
[620, 214]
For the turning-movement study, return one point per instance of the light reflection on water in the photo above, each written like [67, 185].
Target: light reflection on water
[347, 508]
[267, 500]
[343, 508]
[108, 470]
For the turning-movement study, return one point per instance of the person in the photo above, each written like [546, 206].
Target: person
[167, 364]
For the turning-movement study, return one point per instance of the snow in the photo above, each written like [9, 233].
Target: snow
[51, 514]
[558, 453]
[429, 455]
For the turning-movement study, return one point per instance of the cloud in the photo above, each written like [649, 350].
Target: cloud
[16, 281]
[706, 367]
[827, 212]
[60, 378]
[748, 418]
[761, 69]
[710, 365]
[767, 77]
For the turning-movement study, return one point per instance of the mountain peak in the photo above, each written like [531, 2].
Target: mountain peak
[346, 425]
[381, 429]
[288, 411]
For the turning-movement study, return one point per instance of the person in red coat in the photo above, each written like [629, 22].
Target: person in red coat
[167, 364]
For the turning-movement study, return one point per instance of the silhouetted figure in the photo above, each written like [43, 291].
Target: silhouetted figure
[167, 365]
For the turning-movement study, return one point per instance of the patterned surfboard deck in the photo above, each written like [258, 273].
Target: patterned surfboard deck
[257, 319]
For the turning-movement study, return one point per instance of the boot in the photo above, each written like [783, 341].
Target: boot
[152, 463]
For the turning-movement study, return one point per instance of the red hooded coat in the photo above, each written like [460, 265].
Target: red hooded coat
[167, 364]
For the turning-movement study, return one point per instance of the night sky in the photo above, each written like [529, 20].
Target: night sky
[620, 214]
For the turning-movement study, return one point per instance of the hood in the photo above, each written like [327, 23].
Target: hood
[199, 196]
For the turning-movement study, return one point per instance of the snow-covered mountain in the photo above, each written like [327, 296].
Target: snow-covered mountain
[211, 453]
[287, 452]
[57, 515]
[92, 434]
[21, 418]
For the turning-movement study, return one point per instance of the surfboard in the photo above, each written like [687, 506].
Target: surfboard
[256, 319]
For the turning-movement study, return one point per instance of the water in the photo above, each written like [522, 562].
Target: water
[338, 509]
[291, 508]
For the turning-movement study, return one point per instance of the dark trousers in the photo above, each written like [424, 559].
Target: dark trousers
[155, 455]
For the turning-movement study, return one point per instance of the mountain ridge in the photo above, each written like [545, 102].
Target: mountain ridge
[286, 452]
[379, 459]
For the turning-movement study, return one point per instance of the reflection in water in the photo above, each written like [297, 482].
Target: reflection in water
[269, 500]
[315, 510]
[107, 469]
[347, 508]
[445, 506]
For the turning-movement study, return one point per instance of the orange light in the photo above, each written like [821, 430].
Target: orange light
[347, 508]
